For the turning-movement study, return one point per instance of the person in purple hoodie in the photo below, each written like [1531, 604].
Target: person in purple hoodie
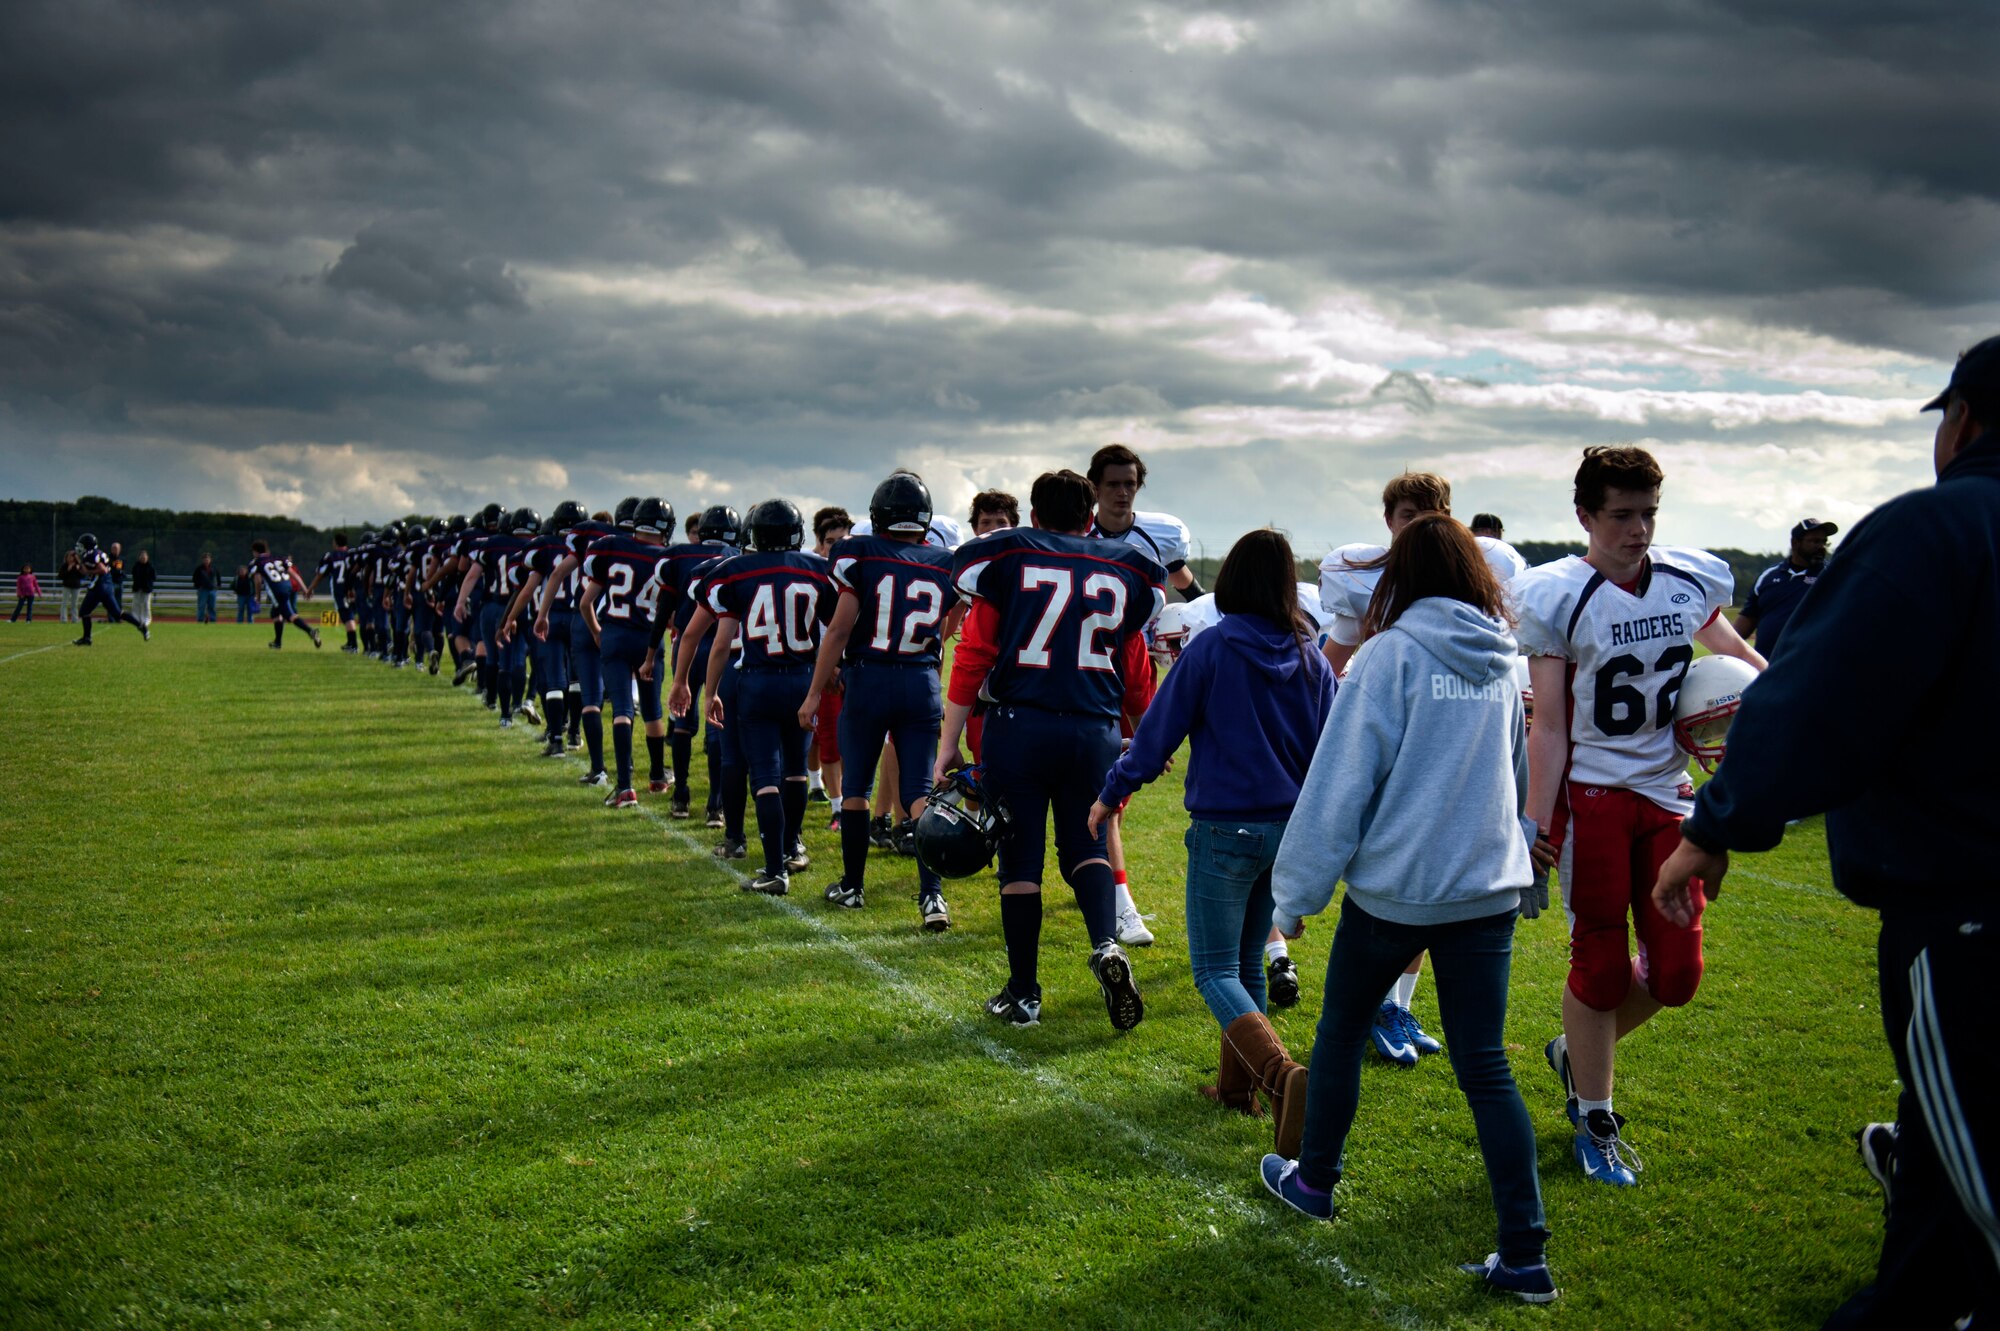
[1250, 695]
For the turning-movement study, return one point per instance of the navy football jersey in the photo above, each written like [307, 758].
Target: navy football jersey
[97, 570]
[904, 591]
[544, 553]
[503, 565]
[578, 540]
[333, 567]
[1065, 605]
[623, 566]
[276, 571]
[674, 579]
[780, 600]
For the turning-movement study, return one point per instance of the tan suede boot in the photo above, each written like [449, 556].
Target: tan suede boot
[1283, 1082]
[1235, 1087]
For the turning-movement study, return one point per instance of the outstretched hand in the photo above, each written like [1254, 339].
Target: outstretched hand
[1690, 877]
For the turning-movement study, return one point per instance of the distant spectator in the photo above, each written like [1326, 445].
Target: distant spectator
[144, 577]
[246, 598]
[1488, 524]
[26, 589]
[71, 576]
[994, 510]
[205, 584]
[692, 526]
[118, 570]
[1781, 587]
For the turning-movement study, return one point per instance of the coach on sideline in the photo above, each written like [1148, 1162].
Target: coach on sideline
[1910, 795]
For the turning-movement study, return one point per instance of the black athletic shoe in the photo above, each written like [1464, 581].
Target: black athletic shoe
[1114, 976]
[818, 795]
[881, 834]
[554, 748]
[770, 884]
[314, 635]
[1015, 1011]
[936, 915]
[1878, 1156]
[596, 776]
[904, 840]
[840, 894]
[622, 799]
[145, 633]
[714, 819]
[1281, 978]
[81, 642]
[726, 849]
[437, 655]
[527, 709]
[463, 673]
[798, 861]
[679, 808]
[275, 646]
[351, 649]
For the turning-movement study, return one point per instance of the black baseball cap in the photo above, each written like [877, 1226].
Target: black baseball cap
[1812, 525]
[1976, 379]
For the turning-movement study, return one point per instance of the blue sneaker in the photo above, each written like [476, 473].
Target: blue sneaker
[1388, 1037]
[1416, 1034]
[1602, 1153]
[1281, 1180]
[1556, 1052]
[1530, 1284]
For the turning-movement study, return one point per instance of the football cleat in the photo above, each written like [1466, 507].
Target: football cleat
[1556, 1052]
[1602, 1154]
[274, 646]
[680, 805]
[351, 649]
[770, 884]
[659, 787]
[507, 721]
[553, 748]
[798, 861]
[1281, 1180]
[936, 915]
[904, 838]
[1878, 1156]
[437, 655]
[81, 642]
[314, 635]
[1015, 1011]
[881, 834]
[465, 671]
[146, 634]
[527, 709]
[840, 894]
[1113, 970]
[726, 849]
[622, 799]
[818, 795]
[1281, 979]
[596, 776]
[714, 818]
[1416, 1034]
[1530, 1284]
[1132, 930]
[1388, 1038]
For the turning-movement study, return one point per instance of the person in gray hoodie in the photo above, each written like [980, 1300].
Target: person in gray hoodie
[1250, 696]
[1415, 797]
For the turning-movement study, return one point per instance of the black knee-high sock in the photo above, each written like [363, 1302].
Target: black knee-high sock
[771, 830]
[656, 757]
[575, 701]
[794, 793]
[278, 631]
[402, 644]
[621, 741]
[853, 846]
[553, 705]
[1021, 924]
[512, 686]
[352, 638]
[682, 748]
[1097, 897]
[133, 620]
[485, 675]
[593, 732]
[714, 781]
[735, 794]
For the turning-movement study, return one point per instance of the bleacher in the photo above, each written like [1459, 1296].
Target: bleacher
[173, 597]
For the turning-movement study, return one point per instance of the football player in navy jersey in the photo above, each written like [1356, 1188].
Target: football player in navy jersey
[678, 572]
[617, 571]
[396, 593]
[281, 583]
[1056, 639]
[896, 606]
[831, 526]
[498, 567]
[334, 567]
[424, 559]
[585, 664]
[101, 589]
[437, 585]
[774, 599]
[550, 649]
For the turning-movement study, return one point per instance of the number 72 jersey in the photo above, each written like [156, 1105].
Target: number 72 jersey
[1628, 653]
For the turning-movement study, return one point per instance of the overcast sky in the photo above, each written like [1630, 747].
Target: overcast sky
[343, 261]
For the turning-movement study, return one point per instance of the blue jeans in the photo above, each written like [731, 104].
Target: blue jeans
[204, 607]
[246, 610]
[1470, 963]
[1229, 912]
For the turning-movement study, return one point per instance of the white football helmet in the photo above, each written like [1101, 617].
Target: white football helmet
[1170, 630]
[1709, 697]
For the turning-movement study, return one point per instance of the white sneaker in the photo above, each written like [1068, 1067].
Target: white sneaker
[1132, 930]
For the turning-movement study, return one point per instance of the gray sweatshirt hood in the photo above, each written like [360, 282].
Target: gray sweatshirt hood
[1472, 645]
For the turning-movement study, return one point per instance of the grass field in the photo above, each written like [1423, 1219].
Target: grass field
[328, 1004]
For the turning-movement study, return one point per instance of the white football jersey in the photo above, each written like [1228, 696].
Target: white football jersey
[1345, 591]
[945, 533]
[1161, 535]
[1628, 653]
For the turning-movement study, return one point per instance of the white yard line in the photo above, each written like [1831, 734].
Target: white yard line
[32, 651]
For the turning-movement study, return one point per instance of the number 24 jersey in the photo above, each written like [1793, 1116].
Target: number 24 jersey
[1628, 653]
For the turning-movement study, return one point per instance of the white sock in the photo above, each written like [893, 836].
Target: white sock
[1406, 989]
[1125, 902]
[1583, 1106]
[812, 781]
[1274, 950]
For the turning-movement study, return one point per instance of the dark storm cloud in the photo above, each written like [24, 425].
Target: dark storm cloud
[369, 224]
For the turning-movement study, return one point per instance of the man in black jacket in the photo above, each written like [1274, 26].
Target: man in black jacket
[1912, 833]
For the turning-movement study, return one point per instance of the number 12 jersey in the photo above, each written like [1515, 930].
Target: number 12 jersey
[1628, 649]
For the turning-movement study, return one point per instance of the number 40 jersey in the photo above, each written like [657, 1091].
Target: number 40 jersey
[780, 600]
[1628, 649]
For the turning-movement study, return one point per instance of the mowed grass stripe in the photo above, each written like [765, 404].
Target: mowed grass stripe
[392, 1023]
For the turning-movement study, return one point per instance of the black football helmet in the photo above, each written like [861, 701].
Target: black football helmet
[776, 524]
[567, 514]
[525, 521]
[960, 829]
[459, 522]
[86, 543]
[901, 504]
[623, 514]
[439, 527]
[654, 516]
[392, 534]
[490, 516]
[720, 523]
